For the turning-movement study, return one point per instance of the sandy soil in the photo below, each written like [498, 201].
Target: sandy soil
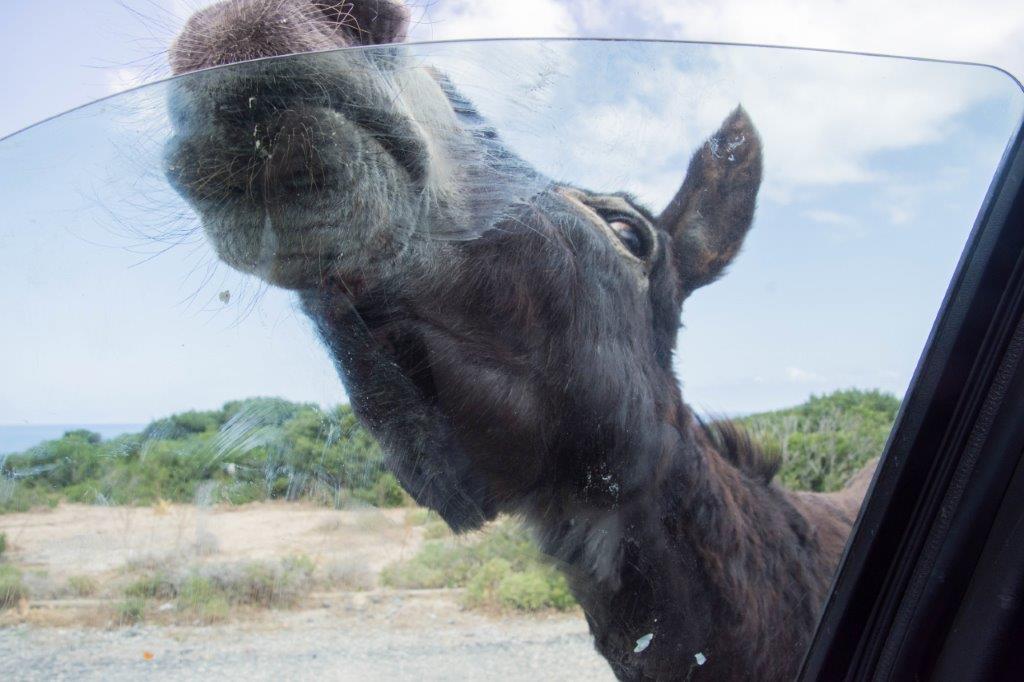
[93, 540]
[338, 634]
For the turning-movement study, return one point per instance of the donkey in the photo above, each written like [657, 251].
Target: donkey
[508, 339]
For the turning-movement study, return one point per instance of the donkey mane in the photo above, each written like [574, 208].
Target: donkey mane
[734, 442]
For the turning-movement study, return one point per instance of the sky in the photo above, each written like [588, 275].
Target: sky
[866, 203]
[75, 51]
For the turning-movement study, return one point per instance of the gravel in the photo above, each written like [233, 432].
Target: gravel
[367, 637]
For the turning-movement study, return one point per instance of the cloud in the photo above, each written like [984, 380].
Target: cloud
[802, 376]
[825, 118]
[988, 31]
[468, 19]
[985, 30]
[839, 225]
[629, 115]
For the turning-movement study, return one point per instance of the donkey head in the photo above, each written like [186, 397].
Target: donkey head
[502, 335]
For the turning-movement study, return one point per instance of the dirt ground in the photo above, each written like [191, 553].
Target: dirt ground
[95, 540]
[345, 634]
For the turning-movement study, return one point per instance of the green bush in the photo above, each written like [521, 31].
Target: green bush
[388, 492]
[502, 569]
[130, 611]
[260, 585]
[537, 588]
[250, 450]
[17, 497]
[200, 598]
[482, 587]
[157, 585]
[12, 589]
[826, 440]
[3, 545]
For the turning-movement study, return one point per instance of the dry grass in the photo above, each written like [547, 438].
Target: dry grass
[105, 567]
[374, 521]
[348, 575]
[149, 562]
[206, 544]
[12, 588]
[82, 586]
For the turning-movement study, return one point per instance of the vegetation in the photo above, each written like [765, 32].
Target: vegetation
[130, 611]
[256, 449]
[12, 589]
[500, 569]
[267, 448]
[207, 593]
[3, 545]
[83, 586]
[826, 440]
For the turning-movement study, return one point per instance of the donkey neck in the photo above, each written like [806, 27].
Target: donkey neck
[686, 563]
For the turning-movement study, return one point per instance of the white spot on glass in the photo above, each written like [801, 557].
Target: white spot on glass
[643, 643]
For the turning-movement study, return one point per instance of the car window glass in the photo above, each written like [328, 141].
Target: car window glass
[275, 330]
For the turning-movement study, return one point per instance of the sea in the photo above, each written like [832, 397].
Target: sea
[19, 437]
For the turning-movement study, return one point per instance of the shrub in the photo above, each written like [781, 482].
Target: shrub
[436, 530]
[207, 593]
[537, 588]
[156, 585]
[388, 492]
[501, 569]
[431, 568]
[348, 574]
[3, 545]
[263, 584]
[201, 598]
[298, 566]
[15, 497]
[482, 587]
[257, 449]
[12, 588]
[130, 611]
[83, 586]
[826, 440]
[419, 516]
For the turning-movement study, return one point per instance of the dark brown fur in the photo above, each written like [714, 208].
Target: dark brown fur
[527, 367]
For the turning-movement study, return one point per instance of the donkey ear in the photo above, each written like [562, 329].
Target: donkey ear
[712, 211]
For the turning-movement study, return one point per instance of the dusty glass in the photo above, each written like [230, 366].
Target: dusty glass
[275, 330]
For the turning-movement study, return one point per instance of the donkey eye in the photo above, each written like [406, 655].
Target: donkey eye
[632, 236]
